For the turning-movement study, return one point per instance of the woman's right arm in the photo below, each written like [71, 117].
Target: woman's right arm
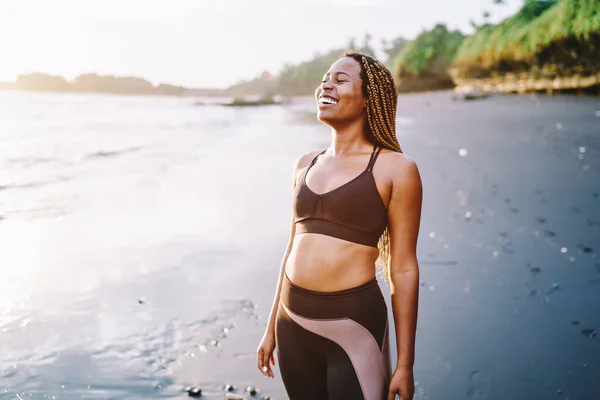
[275, 305]
[264, 354]
[267, 344]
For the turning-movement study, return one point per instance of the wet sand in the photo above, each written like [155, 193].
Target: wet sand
[510, 232]
[517, 214]
[173, 285]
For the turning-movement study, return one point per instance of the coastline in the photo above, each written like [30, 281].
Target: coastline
[526, 83]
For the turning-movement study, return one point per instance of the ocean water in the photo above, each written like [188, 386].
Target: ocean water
[123, 221]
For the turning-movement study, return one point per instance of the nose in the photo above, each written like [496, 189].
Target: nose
[326, 85]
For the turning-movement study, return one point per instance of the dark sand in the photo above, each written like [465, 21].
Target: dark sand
[494, 221]
[491, 325]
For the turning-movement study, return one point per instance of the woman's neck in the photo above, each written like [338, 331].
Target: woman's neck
[349, 140]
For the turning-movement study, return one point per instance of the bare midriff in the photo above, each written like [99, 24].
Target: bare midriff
[324, 263]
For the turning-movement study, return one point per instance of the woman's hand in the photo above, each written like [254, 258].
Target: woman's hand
[402, 383]
[264, 354]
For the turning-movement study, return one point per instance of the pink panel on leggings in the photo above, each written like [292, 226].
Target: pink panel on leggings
[371, 364]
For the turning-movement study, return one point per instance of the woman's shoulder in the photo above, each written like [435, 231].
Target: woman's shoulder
[395, 160]
[305, 159]
[398, 166]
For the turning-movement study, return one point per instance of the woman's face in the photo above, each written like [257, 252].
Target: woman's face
[339, 96]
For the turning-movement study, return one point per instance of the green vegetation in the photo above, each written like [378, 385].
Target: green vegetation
[302, 79]
[263, 85]
[295, 80]
[393, 48]
[545, 37]
[423, 64]
[431, 52]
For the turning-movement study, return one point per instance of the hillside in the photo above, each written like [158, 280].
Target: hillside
[547, 45]
[423, 64]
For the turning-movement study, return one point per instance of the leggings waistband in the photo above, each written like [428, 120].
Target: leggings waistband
[344, 292]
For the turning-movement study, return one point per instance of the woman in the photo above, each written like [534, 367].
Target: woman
[354, 202]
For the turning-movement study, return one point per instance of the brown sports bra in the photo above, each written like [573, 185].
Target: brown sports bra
[354, 211]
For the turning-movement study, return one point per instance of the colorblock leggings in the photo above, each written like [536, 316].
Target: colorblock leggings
[333, 345]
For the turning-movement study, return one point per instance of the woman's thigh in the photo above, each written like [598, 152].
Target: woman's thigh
[304, 372]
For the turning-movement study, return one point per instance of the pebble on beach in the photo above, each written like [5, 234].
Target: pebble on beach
[251, 390]
[194, 391]
[590, 332]
[229, 387]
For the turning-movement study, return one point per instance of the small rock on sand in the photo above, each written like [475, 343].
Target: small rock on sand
[194, 391]
[251, 390]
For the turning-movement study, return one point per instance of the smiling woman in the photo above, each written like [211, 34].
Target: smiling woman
[329, 319]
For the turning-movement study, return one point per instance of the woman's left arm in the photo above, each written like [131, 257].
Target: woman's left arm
[404, 217]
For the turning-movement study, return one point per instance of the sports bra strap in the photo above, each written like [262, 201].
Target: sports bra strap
[314, 160]
[373, 158]
[376, 151]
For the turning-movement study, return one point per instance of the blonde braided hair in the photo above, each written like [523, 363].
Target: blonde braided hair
[382, 99]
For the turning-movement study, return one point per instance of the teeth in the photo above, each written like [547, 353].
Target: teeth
[327, 100]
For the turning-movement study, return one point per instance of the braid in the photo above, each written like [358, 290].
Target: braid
[382, 99]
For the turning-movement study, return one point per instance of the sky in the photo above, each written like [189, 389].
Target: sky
[207, 43]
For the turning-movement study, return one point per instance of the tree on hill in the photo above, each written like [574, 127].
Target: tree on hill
[393, 48]
[424, 63]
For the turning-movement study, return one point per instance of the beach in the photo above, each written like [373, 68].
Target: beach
[141, 239]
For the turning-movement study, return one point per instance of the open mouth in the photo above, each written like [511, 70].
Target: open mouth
[327, 100]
